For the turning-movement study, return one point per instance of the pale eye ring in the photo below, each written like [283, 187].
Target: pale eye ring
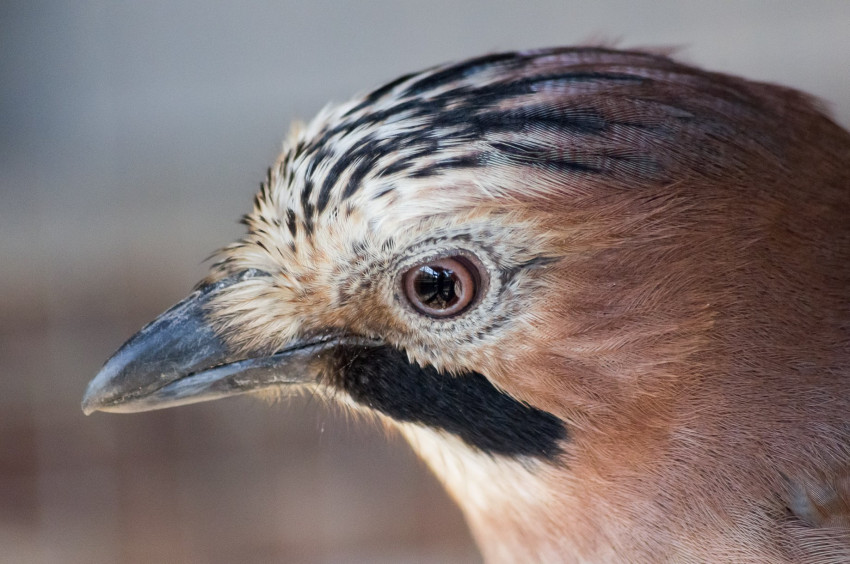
[442, 287]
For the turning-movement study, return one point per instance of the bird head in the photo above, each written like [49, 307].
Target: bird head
[525, 261]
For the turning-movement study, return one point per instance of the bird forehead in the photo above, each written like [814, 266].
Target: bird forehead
[463, 120]
[504, 127]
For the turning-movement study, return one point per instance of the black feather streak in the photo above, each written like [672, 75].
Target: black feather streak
[467, 161]
[467, 405]
[536, 155]
[308, 218]
[378, 93]
[290, 221]
[458, 71]
[359, 173]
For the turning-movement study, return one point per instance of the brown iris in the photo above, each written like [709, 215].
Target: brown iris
[441, 287]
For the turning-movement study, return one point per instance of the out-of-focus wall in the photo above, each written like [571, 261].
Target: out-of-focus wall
[132, 136]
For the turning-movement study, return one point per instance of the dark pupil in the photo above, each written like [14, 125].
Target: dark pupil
[436, 286]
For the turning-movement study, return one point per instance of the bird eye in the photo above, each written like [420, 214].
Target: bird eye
[442, 287]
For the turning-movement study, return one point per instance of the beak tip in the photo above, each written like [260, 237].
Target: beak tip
[91, 399]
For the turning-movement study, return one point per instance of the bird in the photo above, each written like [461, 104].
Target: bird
[601, 292]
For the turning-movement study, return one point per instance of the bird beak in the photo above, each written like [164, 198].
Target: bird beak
[179, 359]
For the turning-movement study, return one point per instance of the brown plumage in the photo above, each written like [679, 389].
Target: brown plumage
[603, 294]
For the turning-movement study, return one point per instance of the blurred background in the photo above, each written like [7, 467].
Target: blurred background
[132, 137]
